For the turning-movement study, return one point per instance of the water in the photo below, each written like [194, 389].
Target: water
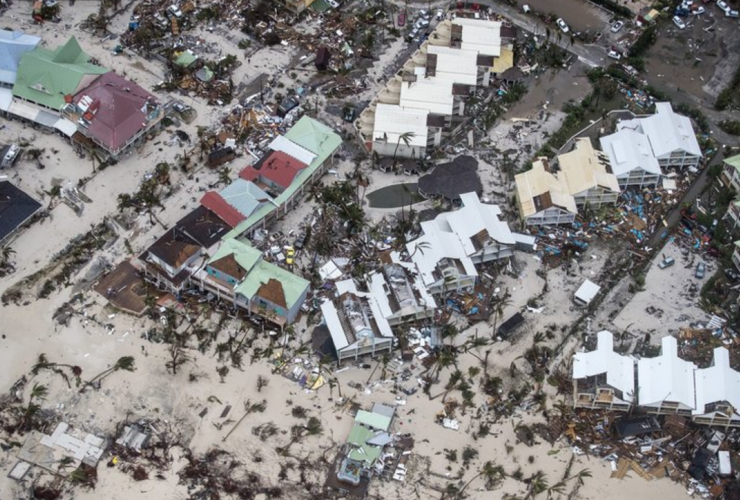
[578, 14]
[395, 196]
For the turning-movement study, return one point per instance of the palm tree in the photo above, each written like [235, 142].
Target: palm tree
[38, 392]
[475, 343]
[123, 363]
[491, 472]
[537, 484]
[500, 306]
[420, 246]
[406, 139]
[5, 254]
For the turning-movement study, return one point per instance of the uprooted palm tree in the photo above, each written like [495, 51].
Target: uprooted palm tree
[5, 254]
[489, 471]
[38, 392]
[43, 363]
[124, 363]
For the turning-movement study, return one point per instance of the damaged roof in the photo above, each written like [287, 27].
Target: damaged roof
[15, 208]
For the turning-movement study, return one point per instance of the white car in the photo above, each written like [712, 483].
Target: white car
[723, 5]
[617, 26]
[679, 22]
[440, 14]
[562, 25]
[732, 13]
[614, 54]
[698, 11]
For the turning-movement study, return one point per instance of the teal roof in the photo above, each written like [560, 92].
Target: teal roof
[733, 161]
[313, 136]
[244, 196]
[361, 451]
[246, 256]
[373, 420]
[293, 285]
[185, 58]
[45, 76]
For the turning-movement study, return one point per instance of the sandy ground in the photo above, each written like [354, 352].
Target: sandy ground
[152, 392]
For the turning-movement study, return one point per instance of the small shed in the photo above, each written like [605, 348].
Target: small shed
[322, 59]
[586, 293]
[221, 156]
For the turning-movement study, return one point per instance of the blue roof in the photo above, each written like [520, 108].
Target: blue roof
[13, 44]
[245, 196]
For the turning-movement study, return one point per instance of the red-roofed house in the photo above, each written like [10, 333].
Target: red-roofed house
[236, 202]
[113, 114]
[275, 171]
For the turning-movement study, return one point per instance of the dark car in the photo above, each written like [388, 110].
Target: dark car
[300, 241]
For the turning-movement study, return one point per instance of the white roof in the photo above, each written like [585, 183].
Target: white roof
[455, 65]
[391, 121]
[666, 377]
[666, 131]
[629, 150]
[472, 218]
[619, 369]
[427, 94]
[433, 246]
[587, 291]
[65, 126]
[331, 318]
[289, 147]
[6, 97]
[403, 284]
[480, 35]
[717, 383]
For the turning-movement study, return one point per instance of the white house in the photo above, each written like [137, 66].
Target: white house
[603, 379]
[542, 198]
[671, 136]
[446, 253]
[356, 323]
[718, 392]
[631, 159]
[584, 172]
[666, 383]
[403, 132]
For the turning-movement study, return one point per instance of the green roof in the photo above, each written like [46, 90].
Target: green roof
[313, 136]
[320, 6]
[262, 272]
[373, 420]
[733, 161]
[361, 451]
[46, 76]
[185, 58]
[246, 256]
[737, 243]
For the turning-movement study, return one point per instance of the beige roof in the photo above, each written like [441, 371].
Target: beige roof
[537, 189]
[585, 168]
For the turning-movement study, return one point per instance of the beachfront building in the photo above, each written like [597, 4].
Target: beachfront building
[666, 383]
[603, 379]
[671, 136]
[717, 392]
[170, 261]
[451, 245]
[542, 198]
[356, 323]
[584, 171]
[731, 172]
[424, 103]
[399, 293]
[236, 202]
[113, 115]
[16, 208]
[238, 274]
[13, 44]
[631, 159]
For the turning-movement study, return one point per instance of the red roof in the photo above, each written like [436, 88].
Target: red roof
[119, 109]
[216, 204]
[278, 167]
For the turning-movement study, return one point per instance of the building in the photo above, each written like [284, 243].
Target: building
[274, 172]
[400, 295]
[170, 261]
[586, 293]
[718, 392]
[236, 202]
[736, 255]
[542, 198]
[113, 115]
[733, 213]
[48, 78]
[603, 379]
[295, 7]
[450, 180]
[238, 274]
[363, 453]
[671, 136]
[356, 323]
[424, 103]
[666, 383]
[631, 159]
[16, 208]
[309, 142]
[446, 253]
[584, 172]
[13, 44]
[731, 172]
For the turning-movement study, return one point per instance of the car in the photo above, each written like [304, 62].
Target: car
[440, 14]
[678, 22]
[300, 241]
[425, 14]
[421, 23]
[667, 262]
[681, 12]
[732, 13]
[413, 34]
[289, 255]
[402, 19]
[698, 11]
[617, 26]
[701, 268]
[562, 25]
[723, 6]
[614, 54]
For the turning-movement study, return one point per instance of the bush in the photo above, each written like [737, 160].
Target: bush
[643, 43]
[730, 126]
